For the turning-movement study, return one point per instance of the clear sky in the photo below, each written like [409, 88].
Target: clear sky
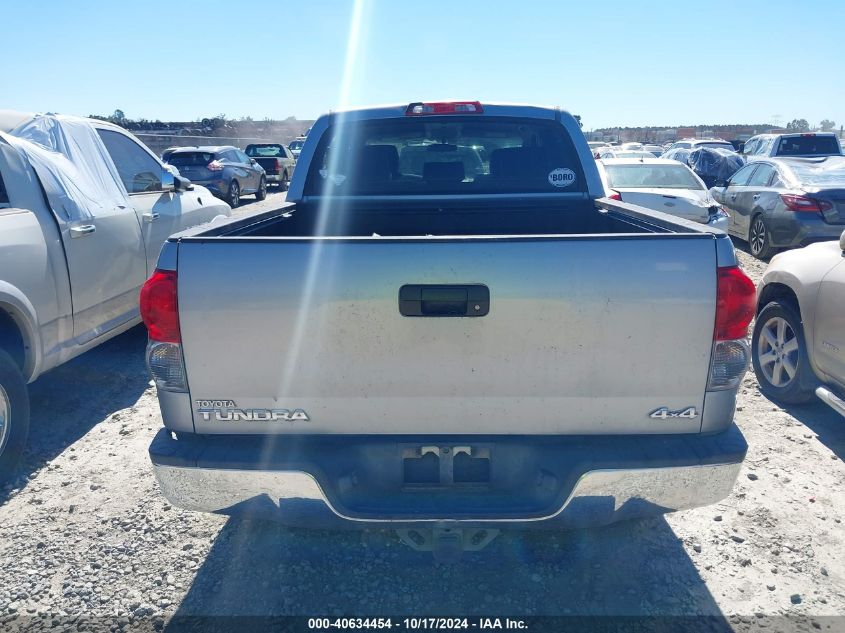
[635, 62]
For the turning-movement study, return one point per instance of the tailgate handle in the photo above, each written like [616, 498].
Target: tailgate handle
[434, 300]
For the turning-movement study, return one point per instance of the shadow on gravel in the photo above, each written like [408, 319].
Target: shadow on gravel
[68, 401]
[823, 421]
[264, 569]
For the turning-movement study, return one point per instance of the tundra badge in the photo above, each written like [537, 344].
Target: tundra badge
[227, 411]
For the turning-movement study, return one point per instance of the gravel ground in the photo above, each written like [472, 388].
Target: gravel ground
[88, 538]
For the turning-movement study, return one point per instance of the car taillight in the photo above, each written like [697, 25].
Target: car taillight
[444, 107]
[160, 312]
[735, 303]
[159, 307]
[214, 165]
[278, 164]
[805, 204]
[616, 196]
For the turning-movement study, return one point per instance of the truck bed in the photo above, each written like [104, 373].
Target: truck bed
[577, 217]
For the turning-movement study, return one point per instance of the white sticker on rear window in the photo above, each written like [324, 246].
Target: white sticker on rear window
[561, 177]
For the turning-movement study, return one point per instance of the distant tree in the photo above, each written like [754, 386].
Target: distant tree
[827, 125]
[798, 125]
[118, 116]
[578, 118]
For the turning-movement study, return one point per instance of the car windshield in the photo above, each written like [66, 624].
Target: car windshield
[808, 145]
[190, 159]
[651, 177]
[446, 155]
[296, 145]
[267, 151]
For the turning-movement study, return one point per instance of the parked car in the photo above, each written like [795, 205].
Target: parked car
[798, 344]
[276, 160]
[615, 152]
[693, 143]
[714, 165]
[631, 146]
[295, 147]
[680, 154]
[785, 202]
[84, 210]
[596, 145]
[798, 144]
[662, 185]
[657, 150]
[479, 349]
[226, 171]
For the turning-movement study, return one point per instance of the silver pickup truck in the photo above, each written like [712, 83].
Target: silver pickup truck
[448, 346]
[84, 211]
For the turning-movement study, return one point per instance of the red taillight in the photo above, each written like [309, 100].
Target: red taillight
[444, 107]
[214, 165]
[279, 164]
[616, 196]
[735, 304]
[803, 203]
[159, 307]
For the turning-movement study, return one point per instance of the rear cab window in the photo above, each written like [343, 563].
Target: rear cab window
[265, 151]
[445, 155]
[808, 145]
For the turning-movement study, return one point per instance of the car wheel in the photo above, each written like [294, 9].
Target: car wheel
[779, 354]
[14, 415]
[262, 189]
[758, 239]
[234, 195]
[285, 182]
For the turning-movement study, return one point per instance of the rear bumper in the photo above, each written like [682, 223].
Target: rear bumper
[343, 482]
[792, 230]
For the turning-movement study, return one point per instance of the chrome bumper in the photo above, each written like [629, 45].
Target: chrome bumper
[599, 497]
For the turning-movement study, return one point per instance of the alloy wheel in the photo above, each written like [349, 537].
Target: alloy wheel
[777, 348]
[5, 417]
[758, 237]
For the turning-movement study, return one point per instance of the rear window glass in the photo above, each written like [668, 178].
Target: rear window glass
[257, 151]
[190, 159]
[296, 145]
[808, 146]
[715, 144]
[446, 156]
[4, 197]
[824, 174]
[651, 176]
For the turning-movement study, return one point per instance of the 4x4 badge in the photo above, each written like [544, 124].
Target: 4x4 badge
[664, 413]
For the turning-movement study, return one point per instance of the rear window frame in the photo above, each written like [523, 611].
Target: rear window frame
[314, 191]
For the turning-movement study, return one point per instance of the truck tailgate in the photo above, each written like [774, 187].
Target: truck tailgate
[584, 334]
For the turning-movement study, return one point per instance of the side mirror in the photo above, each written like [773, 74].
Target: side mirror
[842, 241]
[180, 183]
[168, 179]
[252, 161]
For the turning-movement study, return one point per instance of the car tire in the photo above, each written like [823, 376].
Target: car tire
[759, 242]
[777, 344]
[285, 182]
[233, 196]
[261, 193]
[14, 415]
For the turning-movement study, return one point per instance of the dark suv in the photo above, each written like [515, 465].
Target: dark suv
[224, 170]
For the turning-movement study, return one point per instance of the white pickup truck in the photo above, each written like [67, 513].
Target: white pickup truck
[84, 211]
[448, 331]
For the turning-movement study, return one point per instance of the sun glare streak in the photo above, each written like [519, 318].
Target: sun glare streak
[351, 72]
